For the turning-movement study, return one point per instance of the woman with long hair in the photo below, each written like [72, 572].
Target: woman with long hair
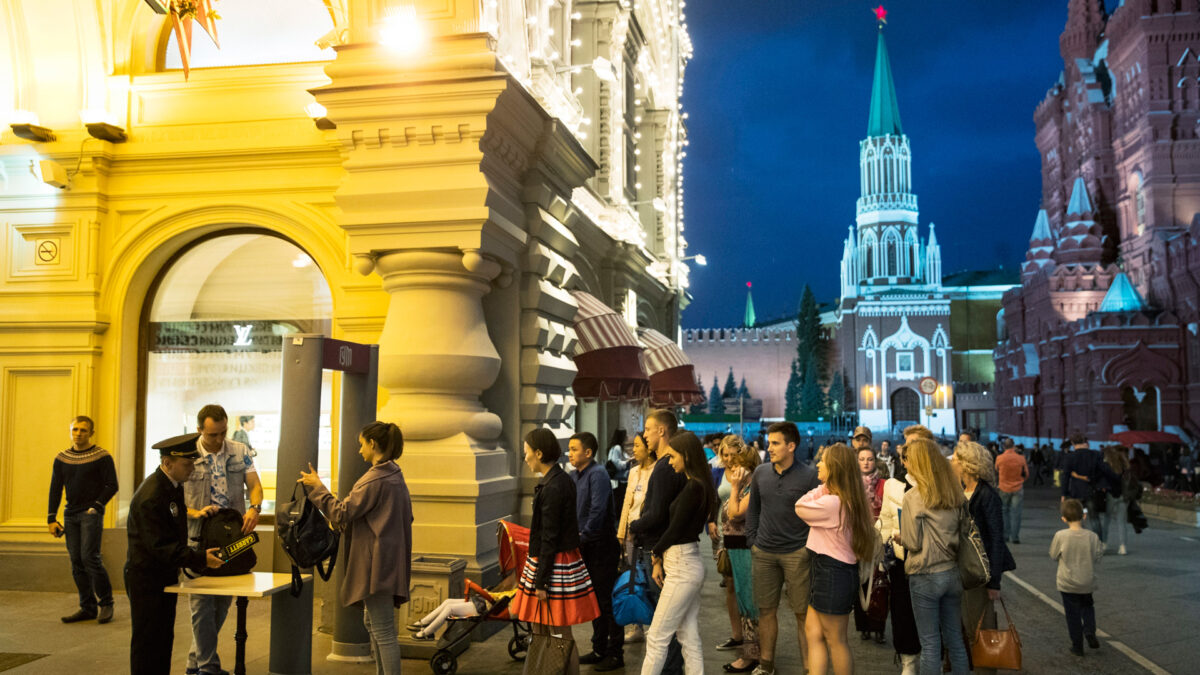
[841, 533]
[1116, 512]
[929, 528]
[678, 567]
[740, 461]
[377, 518]
[631, 509]
[974, 466]
[873, 481]
[905, 639]
[555, 591]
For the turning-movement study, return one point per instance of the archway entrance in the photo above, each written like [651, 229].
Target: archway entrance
[213, 331]
[906, 407]
[1140, 408]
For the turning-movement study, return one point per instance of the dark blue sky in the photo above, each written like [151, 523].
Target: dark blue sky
[777, 96]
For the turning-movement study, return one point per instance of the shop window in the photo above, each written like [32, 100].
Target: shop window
[257, 32]
[214, 333]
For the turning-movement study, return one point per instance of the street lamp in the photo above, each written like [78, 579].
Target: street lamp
[657, 202]
[699, 258]
[601, 66]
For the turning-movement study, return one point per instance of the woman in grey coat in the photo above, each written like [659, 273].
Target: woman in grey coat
[376, 522]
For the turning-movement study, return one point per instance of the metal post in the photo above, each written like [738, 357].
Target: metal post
[351, 643]
[300, 411]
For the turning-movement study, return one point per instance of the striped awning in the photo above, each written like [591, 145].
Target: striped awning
[609, 357]
[672, 375]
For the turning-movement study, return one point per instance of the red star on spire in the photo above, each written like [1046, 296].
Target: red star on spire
[747, 284]
[880, 14]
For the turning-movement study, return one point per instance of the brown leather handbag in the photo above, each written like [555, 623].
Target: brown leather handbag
[994, 648]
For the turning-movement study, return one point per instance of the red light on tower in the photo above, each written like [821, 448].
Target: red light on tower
[747, 284]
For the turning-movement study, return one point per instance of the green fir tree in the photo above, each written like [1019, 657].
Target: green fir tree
[743, 392]
[811, 397]
[791, 397]
[698, 408]
[716, 405]
[730, 390]
[837, 394]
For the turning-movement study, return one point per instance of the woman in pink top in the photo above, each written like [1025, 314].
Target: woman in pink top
[840, 534]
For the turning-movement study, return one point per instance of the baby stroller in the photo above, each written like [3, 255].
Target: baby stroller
[514, 547]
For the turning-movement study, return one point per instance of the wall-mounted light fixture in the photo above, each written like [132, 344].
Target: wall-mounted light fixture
[318, 114]
[658, 204]
[99, 126]
[25, 125]
[401, 30]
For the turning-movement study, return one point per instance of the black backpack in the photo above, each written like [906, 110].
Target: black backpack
[220, 530]
[306, 537]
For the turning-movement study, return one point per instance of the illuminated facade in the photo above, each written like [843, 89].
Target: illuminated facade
[464, 173]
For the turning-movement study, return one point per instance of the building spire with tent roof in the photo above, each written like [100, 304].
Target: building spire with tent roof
[885, 112]
[748, 320]
[1122, 296]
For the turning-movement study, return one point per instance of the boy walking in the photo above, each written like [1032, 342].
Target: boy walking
[1077, 551]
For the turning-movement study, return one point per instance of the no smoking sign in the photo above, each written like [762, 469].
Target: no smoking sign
[46, 251]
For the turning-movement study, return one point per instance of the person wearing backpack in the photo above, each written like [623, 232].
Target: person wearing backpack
[376, 521]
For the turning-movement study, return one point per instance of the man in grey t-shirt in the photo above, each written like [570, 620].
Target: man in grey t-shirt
[777, 538]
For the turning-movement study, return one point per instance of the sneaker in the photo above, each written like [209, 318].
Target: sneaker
[762, 670]
[634, 633]
[729, 645]
[1077, 651]
[879, 638]
[1092, 641]
[1121, 551]
[80, 615]
[610, 662]
[591, 658]
[106, 614]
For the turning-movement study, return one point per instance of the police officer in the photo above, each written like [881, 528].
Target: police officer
[158, 547]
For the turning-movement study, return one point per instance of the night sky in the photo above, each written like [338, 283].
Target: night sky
[777, 96]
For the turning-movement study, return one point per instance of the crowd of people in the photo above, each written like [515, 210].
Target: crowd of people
[873, 534]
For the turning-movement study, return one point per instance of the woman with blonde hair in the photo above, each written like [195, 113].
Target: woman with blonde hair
[1116, 512]
[841, 533]
[740, 461]
[974, 466]
[929, 528]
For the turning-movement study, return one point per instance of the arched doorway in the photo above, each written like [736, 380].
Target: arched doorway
[212, 332]
[1140, 408]
[906, 407]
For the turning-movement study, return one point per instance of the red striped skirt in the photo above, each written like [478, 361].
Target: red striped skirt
[570, 598]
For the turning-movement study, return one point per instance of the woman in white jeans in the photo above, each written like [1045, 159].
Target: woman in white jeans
[1116, 512]
[678, 566]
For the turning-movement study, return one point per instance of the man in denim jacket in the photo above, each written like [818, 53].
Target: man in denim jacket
[223, 475]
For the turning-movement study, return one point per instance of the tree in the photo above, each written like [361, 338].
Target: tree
[716, 406]
[837, 394]
[730, 390]
[810, 341]
[698, 408]
[743, 392]
[791, 397]
[811, 398]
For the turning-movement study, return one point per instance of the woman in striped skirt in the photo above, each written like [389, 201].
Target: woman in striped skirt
[555, 590]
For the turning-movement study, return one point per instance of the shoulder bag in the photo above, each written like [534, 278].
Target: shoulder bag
[971, 557]
[994, 648]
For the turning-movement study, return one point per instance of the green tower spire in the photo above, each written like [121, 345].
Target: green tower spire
[749, 319]
[885, 113]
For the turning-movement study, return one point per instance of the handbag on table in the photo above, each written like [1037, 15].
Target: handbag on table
[995, 648]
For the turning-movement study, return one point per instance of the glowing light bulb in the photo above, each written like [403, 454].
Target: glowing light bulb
[401, 31]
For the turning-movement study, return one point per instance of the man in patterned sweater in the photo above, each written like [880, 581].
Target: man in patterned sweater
[88, 475]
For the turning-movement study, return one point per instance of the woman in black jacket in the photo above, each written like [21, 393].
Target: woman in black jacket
[973, 464]
[555, 590]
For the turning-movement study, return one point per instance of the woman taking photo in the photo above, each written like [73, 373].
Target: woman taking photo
[376, 522]
[873, 481]
[678, 567]
[555, 591]
[840, 534]
[739, 461]
[929, 525]
[973, 465]
[904, 627]
[631, 510]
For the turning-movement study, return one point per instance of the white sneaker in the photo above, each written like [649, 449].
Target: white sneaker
[634, 633]
[1121, 551]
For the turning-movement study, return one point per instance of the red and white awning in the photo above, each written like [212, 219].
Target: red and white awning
[609, 357]
[672, 375]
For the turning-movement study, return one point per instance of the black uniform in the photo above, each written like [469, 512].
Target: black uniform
[157, 527]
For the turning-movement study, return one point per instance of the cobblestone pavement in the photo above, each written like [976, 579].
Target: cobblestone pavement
[1147, 604]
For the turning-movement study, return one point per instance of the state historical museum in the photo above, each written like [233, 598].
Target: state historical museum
[1101, 336]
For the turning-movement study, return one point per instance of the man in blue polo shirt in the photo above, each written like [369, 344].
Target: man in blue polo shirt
[777, 538]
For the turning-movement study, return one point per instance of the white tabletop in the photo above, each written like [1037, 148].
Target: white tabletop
[252, 585]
